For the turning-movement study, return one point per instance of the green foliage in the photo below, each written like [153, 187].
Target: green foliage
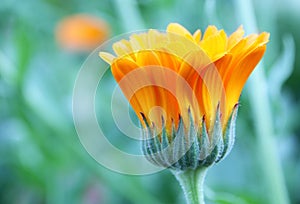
[41, 158]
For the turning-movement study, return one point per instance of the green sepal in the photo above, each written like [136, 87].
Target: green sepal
[204, 141]
[178, 149]
[164, 137]
[189, 147]
[216, 143]
[148, 147]
[229, 135]
[192, 142]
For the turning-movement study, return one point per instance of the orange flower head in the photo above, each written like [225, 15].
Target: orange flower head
[81, 32]
[177, 80]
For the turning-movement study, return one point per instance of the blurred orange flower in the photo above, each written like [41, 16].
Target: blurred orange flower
[81, 32]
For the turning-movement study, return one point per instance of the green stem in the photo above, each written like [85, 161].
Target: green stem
[192, 183]
[264, 127]
[129, 15]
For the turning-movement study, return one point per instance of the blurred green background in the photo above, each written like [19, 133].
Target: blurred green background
[41, 158]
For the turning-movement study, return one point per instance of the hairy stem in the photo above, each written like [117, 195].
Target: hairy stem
[192, 184]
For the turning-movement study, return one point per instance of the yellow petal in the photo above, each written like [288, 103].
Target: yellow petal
[215, 45]
[197, 35]
[235, 37]
[210, 31]
[107, 57]
[179, 30]
[122, 47]
[139, 42]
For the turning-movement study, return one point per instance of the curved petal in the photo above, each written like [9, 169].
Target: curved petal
[179, 30]
[239, 76]
[235, 37]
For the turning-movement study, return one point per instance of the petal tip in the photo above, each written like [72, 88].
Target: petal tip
[107, 57]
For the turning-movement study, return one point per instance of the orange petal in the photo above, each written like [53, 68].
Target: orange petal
[239, 76]
[122, 66]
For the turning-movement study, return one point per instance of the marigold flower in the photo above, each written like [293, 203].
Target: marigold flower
[81, 32]
[186, 86]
